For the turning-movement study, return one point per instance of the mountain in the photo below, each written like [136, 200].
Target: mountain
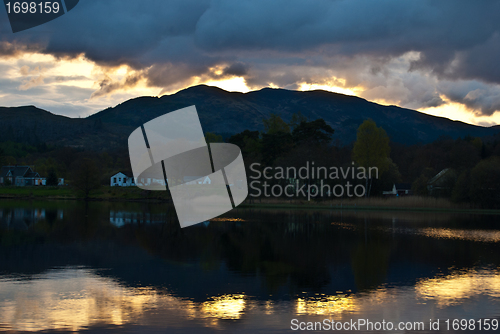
[32, 125]
[227, 113]
[231, 112]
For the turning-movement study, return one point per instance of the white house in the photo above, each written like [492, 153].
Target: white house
[399, 189]
[121, 180]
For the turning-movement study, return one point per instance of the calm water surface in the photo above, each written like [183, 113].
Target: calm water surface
[71, 266]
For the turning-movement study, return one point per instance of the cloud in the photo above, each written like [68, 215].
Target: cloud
[16, 48]
[33, 82]
[236, 69]
[108, 85]
[483, 99]
[410, 53]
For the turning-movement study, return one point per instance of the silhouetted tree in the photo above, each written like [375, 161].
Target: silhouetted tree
[419, 185]
[276, 140]
[485, 183]
[275, 145]
[391, 176]
[52, 178]
[213, 138]
[461, 191]
[371, 149]
[86, 177]
[464, 155]
[314, 133]
[250, 145]
[275, 124]
[297, 118]
[2, 157]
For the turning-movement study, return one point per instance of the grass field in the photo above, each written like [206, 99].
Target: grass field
[104, 193]
[60, 192]
[408, 203]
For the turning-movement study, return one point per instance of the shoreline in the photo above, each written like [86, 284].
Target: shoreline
[117, 194]
[355, 208]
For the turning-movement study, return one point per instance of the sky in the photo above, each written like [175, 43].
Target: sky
[438, 57]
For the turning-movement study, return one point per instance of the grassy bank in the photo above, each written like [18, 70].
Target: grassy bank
[107, 193]
[408, 203]
[68, 193]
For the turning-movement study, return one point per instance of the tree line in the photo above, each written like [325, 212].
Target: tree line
[472, 165]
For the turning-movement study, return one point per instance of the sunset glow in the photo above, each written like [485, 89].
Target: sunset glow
[35, 70]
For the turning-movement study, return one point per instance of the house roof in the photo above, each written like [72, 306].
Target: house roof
[31, 174]
[438, 176]
[16, 171]
[120, 173]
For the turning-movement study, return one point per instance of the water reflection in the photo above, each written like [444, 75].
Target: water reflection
[472, 235]
[73, 266]
[456, 288]
[22, 218]
[120, 218]
[70, 299]
[225, 307]
[78, 298]
[326, 305]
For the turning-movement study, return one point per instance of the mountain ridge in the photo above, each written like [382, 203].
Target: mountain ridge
[228, 113]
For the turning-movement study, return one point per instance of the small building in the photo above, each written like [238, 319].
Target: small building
[121, 180]
[20, 176]
[399, 189]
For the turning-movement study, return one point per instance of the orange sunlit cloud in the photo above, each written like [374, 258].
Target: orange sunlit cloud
[459, 112]
[334, 89]
[31, 69]
[235, 84]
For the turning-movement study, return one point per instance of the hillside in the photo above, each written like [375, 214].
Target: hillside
[227, 113]
[232, 112]
[32, 125]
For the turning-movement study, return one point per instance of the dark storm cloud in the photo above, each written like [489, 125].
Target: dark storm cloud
[237, 69]
[170, 42]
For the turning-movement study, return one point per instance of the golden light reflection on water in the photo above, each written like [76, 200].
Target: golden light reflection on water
[222, 219]
[458, 287]
[70, 300]
[446, 233]
[76, 298]
[471, 235]
[326, 305]
[225, 307]
[341, 303]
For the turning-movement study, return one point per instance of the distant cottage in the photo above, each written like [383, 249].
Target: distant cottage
[399, 189]
[121, 180]
[22, 176]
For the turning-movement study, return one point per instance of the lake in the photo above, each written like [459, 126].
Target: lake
[129, 267]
